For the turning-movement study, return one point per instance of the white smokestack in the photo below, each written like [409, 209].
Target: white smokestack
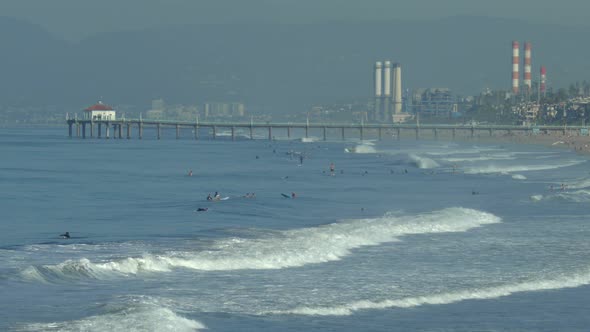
[378, 80]
[397, 95]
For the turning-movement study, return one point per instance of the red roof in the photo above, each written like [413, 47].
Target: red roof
[99, 107]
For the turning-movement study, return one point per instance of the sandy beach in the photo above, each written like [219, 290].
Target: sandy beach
[577, 143]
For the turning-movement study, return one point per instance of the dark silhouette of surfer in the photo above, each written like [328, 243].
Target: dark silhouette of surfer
[65, 235]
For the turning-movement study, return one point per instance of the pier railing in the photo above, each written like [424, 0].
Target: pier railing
[122, 128]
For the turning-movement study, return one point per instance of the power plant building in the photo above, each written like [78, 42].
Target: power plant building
[434, 102]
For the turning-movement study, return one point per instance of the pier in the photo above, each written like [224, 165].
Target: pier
[129, 128]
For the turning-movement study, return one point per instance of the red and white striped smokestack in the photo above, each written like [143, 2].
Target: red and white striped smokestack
[543, 79]
[515, 62]
[527, 82]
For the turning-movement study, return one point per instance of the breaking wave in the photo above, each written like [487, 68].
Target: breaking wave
[577, 196]
[278, 250]
[362, 148]
[422, 162]
[571, 281]
[516, 168]
[135, 317]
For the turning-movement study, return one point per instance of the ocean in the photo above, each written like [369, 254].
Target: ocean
[408, 235]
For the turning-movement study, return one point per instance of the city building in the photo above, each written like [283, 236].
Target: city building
[224, 109]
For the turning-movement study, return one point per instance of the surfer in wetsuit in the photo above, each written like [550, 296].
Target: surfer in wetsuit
[66, 235]
[209, 198]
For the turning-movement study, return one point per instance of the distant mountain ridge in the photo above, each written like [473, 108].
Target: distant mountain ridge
[276, 67]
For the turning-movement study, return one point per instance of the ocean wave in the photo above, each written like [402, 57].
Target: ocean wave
[577, 196]
[518, 177]
[517, 168]
[579, 184]
[361, 148]
[135, 317]
[571, 281]
[478, 158]
[309, 139]
[422, 162]
[277, 250]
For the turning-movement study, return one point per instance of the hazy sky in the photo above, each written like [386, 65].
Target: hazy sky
[75, 19]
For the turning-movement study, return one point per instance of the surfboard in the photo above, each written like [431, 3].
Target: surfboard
[224, 198]
[285, 195]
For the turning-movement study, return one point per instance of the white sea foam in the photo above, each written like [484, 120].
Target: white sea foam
[519, 177]
[579, 184]
[277, 250]
[577, 196]
[517, 168]
[309, 139]
[478, 158]
[129, 319]
[361, 148]
[571, 281]
[422, 162]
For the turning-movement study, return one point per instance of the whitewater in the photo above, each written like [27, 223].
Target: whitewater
[402, 236]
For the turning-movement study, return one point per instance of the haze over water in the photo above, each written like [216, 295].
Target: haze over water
[405, 236]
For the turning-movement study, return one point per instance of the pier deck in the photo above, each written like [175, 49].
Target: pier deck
[123, 129]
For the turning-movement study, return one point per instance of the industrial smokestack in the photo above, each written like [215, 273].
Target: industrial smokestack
[397, 98]
[386, 90]
[378, 81]
[515, 62]
[378, 89]
[543, 87]
[527, 82]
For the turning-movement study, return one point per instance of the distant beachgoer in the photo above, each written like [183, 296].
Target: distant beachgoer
[301, 159]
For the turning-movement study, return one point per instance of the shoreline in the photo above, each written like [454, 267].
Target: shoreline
[576, 143]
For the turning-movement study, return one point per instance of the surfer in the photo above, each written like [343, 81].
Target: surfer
[473, 192]
[332, 167]
[300, 159]
[293, 195]
[65, 235]
[209, 198]
[202, 209]
[190, 172]
[217, 195]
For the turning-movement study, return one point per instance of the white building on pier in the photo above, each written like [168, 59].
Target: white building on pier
[100, 111]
